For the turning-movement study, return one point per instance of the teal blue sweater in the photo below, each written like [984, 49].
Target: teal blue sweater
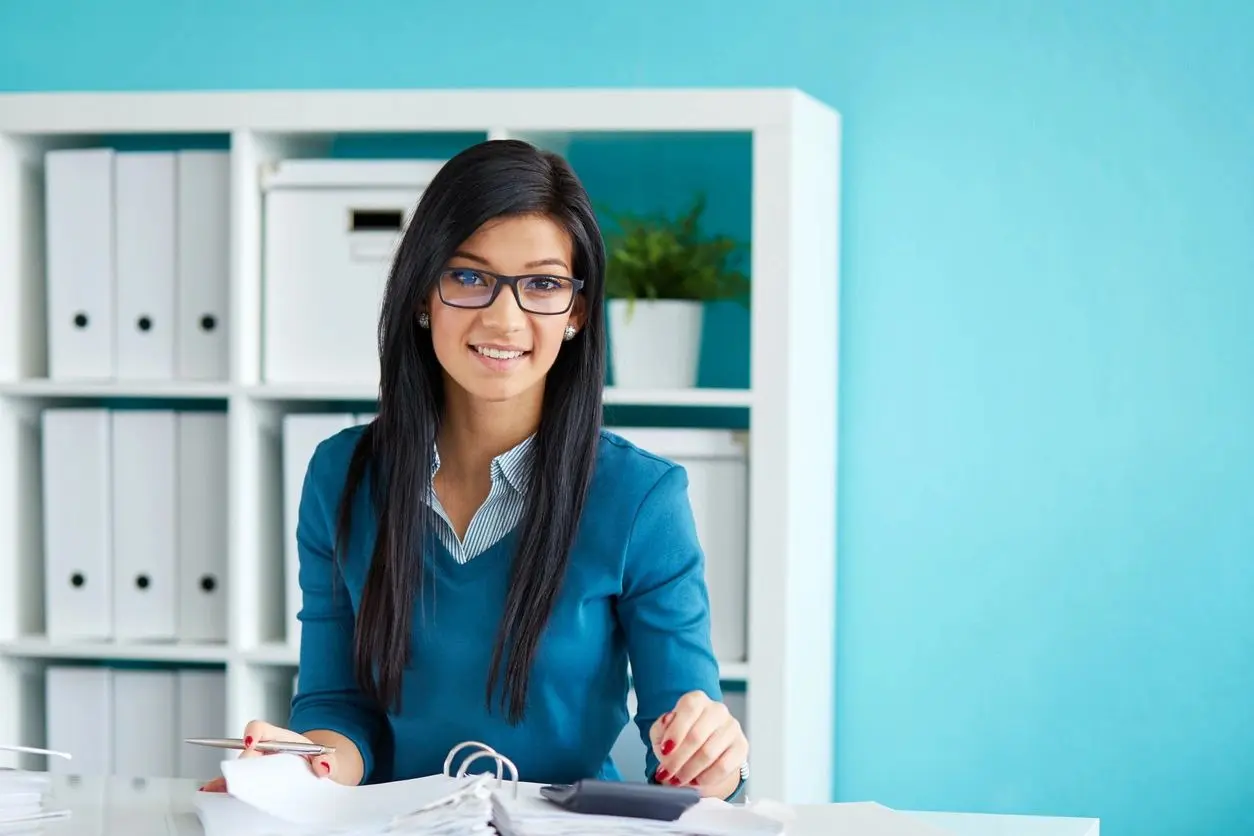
[635, 590]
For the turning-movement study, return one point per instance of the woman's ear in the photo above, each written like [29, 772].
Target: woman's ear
[578, 312]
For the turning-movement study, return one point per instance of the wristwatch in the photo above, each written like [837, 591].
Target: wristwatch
[740, 788]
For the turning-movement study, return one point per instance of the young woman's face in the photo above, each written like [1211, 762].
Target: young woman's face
[502, 351]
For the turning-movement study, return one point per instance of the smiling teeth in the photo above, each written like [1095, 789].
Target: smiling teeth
[498, 354]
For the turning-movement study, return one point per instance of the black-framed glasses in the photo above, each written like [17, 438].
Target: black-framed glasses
[470, 287]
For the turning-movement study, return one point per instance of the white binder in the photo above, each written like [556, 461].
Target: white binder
[201, 713]
[204, 260]
[201, 569]
[78, 218]
[79, 719]
[301, 434]
[145, 703]
[77, 509]
[144, 212]
[145, 595]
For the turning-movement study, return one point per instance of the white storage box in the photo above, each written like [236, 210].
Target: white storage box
[718, 488]
[331, 230]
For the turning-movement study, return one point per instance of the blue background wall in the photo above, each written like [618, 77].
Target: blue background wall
[1047, 475]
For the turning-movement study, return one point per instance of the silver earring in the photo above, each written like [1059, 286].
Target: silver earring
[424, 320]
[570, 333]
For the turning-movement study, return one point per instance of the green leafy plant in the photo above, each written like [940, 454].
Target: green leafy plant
[660, 257]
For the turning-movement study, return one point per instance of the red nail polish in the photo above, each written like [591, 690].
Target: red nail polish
[248, 741]
[693, 782]
[662, 775]
[668, 747]
[325, 765]
[675, 781]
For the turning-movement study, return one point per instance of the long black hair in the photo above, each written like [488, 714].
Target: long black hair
[490, 180]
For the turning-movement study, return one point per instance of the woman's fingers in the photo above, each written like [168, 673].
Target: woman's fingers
[216, 785]
[259, 730]
[322, 765]
[721, 756]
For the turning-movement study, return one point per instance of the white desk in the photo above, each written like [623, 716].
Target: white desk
[829, 819]
[163, 807]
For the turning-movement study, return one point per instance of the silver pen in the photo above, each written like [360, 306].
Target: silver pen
[268, 746]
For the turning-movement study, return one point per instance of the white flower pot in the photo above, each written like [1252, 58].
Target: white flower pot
[655, 343]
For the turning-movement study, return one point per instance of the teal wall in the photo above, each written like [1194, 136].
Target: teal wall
[1047, 474]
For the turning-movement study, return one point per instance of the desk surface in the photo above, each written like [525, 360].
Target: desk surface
[164, 807]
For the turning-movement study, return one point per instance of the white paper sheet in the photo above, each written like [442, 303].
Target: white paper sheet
[284, 789]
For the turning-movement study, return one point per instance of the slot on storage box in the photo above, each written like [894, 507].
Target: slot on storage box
[375, 220]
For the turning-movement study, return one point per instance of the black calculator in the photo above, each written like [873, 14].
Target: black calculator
[620, 798]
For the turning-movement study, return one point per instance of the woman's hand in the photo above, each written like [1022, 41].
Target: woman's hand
[701, 744]
[323, 766]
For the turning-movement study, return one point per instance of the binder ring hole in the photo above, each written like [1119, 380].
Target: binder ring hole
[141, 581]
[77, 580]
[208, 583]
[144, 323]
[208, 322]
[80, 320]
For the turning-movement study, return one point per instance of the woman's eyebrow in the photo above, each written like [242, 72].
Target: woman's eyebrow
[530, 265]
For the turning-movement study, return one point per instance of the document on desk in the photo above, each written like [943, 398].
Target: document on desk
[279, 794]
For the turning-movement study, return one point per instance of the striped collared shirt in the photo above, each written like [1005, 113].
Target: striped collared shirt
[500, 512]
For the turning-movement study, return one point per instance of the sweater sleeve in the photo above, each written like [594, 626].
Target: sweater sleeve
[664, 608]
[328, 696]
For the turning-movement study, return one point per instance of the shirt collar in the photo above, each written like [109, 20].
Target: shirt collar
[514, 465]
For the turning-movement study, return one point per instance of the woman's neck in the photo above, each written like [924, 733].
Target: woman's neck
[473, 432]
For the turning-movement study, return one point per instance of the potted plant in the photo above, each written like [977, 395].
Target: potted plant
[659, 273]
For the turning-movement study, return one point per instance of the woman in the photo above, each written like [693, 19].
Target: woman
[481, 561]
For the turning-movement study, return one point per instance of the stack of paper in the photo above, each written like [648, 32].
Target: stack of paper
[24, 802]
[532, 815]
[280, 795]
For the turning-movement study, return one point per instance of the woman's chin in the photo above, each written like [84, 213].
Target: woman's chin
[498, 388]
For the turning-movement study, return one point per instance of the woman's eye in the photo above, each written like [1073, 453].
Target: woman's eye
[543, 284]
[467, 277]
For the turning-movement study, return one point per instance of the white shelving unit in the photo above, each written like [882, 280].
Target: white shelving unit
[789, 674]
